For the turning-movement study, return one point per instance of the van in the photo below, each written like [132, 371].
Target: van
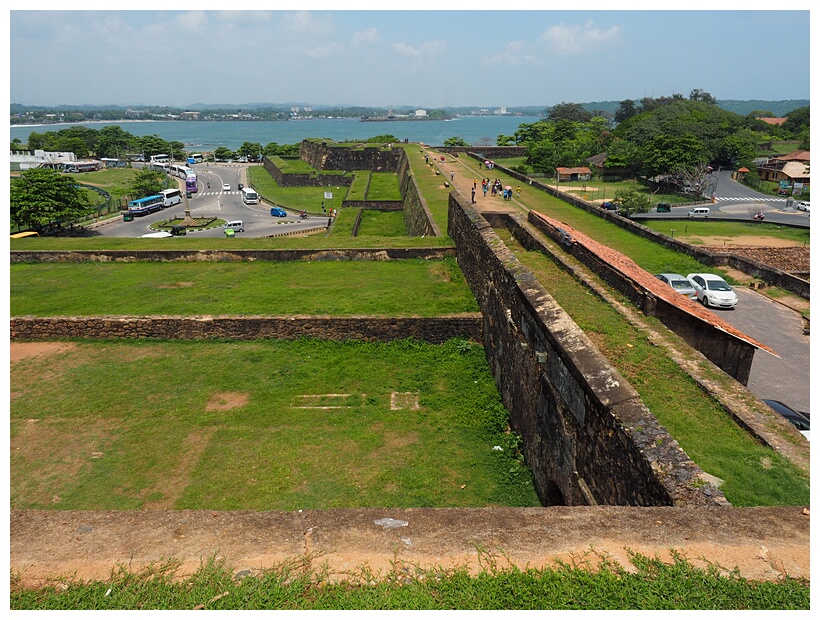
[699, 212]
[236, 226]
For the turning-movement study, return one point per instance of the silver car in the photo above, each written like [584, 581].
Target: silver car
[679, 283]
[713, 291]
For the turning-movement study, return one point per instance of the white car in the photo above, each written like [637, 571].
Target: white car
[226, 187]
[803, 206]
[712, 291]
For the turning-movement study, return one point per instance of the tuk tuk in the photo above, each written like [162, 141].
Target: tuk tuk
[178, 231]
[128, 217]
[229, 232]
[664, 207]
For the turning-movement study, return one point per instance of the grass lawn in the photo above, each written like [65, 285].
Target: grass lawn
[265, 425]
[382, 223]
[294, 585]
[302, 198]
[693, 232]
[385, 288]
[384, 186]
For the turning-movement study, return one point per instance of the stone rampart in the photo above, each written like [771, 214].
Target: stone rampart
[277, 255]
[588, 438]
[428, 329]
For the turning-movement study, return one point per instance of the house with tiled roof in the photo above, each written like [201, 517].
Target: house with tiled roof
[792, 168]
[580, 173]
[608, 173]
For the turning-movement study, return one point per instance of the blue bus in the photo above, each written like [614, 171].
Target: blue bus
[149, 204]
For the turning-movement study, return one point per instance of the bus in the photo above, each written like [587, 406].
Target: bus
[195, 158]
[161, 158]
[249, 196]
[81, 166]
[190, 183]
[171, 197]
[149, 204]
[159, 166]
[181, 171]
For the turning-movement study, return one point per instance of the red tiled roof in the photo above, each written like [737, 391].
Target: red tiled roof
[644, 279]
[772, 121]
[795, 156]
[580, 170]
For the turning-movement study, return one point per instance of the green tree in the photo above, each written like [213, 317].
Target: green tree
[251, 150]
[502, 140]
[632, 201]
[41, 196]
[147, 182]
[223, 153]
[665, 153]
[455, 141]
[383, 138]
[176, 150]
[569, 112]
[626, 110]
[798, 120]
[113, 141]
[153, 145]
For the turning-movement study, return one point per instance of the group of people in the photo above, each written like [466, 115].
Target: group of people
[495, 187]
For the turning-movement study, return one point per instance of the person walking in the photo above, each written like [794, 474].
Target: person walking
[452, 176]
[472, 197]
[518, 191]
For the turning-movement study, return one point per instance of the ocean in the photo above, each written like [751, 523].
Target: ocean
[207, 135]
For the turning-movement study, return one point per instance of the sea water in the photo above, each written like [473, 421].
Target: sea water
[208, 135]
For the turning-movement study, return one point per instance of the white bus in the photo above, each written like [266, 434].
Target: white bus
[171, 197]
[249, 196]
[161, 158]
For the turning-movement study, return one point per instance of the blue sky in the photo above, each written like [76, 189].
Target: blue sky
[424, 58]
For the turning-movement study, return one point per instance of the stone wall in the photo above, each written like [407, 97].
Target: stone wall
[327, 155]
[588, 438]
[418, 221]
[306, 180]
[435, 330]
[279, 255]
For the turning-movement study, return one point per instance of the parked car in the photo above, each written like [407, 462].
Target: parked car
[610, 206]
[664, 207]
[800, 419]
[226, 187]
[278, 212]
[679, 283]
[803, 206]
[712, 291]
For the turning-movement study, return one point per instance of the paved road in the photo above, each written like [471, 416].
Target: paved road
[213, 202]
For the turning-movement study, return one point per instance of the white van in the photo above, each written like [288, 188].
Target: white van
[699, 212]
[236, 225]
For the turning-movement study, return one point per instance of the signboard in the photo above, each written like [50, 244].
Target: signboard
[329, 195]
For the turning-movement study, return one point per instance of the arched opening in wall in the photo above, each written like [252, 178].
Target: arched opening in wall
[553, 495]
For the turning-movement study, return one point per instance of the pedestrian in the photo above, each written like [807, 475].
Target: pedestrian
[474, 183]
[472, 197]
[452, 175]
[484, 187]
[518, 191]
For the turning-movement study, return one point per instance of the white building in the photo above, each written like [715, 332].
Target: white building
[24, 160]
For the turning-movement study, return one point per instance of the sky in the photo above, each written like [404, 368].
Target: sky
[424, 58]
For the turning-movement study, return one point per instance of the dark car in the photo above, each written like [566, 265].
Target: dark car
[664, 207]
[610, 206]
[800, 419]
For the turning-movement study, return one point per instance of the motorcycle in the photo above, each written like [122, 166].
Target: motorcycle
[303, 215]
[758, 216]
[209, 186]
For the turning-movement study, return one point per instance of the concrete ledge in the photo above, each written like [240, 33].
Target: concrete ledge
[762, 543]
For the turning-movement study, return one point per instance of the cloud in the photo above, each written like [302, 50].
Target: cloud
[577, 39]
[515, 53]
[428, 50]
[366, 37]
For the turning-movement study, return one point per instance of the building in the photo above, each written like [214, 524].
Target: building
[791, 168]
[581, 173]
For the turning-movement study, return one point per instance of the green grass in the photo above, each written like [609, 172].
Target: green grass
[386, 288]
[648, 584]
[430, 185]
[312, 427]
[358, 188]
[716, 228]
[301, 198]
[384, 186]
[382, 224]
[754, 475]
